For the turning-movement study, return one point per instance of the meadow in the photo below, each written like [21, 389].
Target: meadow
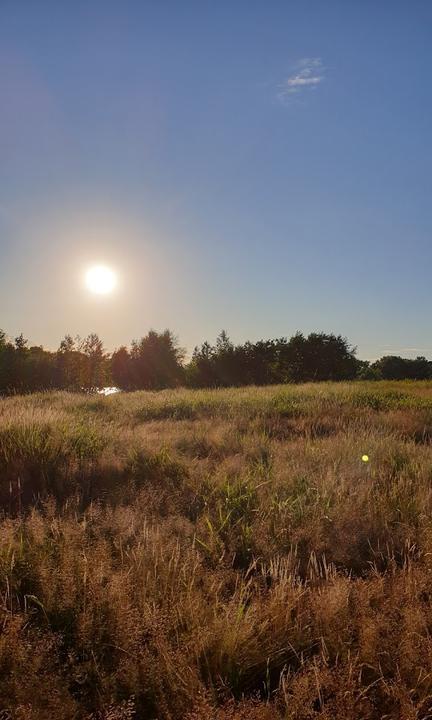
[217, 554]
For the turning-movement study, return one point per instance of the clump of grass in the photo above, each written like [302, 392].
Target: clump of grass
[154, 468]
[167, 411]
[39, 458]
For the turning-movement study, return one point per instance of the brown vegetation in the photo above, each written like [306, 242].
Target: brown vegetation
[217, 554]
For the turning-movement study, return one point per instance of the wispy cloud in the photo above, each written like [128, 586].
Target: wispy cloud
[307, 74]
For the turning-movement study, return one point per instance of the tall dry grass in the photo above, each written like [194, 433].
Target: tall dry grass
[217, 554]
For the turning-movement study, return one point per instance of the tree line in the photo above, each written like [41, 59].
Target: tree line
[156, 361]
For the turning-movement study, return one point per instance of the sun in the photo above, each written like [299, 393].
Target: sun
[100, 279]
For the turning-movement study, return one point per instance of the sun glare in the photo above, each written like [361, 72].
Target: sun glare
[100, 279]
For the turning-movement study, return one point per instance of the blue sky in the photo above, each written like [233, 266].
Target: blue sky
[256, 166]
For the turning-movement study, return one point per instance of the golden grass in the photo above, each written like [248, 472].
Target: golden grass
[217, 554]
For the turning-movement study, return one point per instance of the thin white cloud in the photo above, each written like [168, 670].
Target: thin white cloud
[309, 73]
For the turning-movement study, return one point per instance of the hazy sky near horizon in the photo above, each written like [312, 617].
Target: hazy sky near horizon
[261, 167]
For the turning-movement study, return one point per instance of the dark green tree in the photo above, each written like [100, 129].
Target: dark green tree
[96, 367]
[122, 369]
[157, 361]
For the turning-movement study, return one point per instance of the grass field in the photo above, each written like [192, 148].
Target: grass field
[224, 555]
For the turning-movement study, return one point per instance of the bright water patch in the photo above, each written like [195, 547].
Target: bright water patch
[108, 390]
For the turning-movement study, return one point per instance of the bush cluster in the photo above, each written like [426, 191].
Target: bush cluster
[156, 362]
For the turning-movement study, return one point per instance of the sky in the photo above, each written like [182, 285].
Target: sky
[262, 167]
